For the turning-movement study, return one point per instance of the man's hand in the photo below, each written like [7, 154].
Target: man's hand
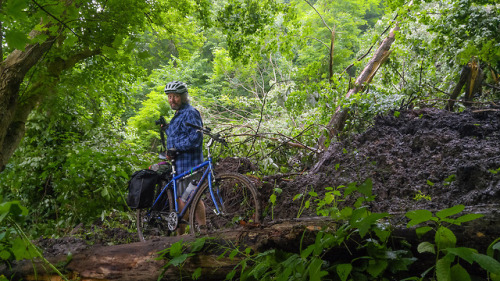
[172, 154]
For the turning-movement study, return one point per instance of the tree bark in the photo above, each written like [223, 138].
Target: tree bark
[12, 72]
[14, 109]
[138, 261]
[472, 78]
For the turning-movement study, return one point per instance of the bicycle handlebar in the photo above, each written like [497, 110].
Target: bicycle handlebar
[207, 131]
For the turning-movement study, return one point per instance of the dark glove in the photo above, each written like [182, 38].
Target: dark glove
[172, 154]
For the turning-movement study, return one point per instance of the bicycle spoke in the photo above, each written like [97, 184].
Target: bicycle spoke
[236, 199]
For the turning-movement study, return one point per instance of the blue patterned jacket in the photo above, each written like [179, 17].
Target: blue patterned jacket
[187, 141]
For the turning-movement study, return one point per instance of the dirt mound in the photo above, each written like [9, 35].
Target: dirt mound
[416, 159]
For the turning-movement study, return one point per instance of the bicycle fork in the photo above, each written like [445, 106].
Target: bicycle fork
[216, 198]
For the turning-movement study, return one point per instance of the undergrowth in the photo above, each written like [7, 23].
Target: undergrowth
[372, 251]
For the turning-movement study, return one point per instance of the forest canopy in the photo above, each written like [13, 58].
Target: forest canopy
[82, 84]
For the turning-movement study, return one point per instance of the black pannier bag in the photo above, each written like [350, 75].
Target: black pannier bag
[141, 189]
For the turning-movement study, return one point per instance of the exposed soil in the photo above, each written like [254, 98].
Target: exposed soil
[452, 158]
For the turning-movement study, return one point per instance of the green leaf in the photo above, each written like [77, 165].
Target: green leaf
[196, 274]
[382, 234]
[315, 272]
[259, 270]
[176, 248]
[450, 211]
[426, 247]
[464, 253]
[445, 238]
[304, 254]
[495, 245]
[16, 39]
[351, 187]
[5, 255]
[179, 259]
[422, 230]
[458, 273]
[417, 217]
[15, 8]
[365, 224]
[346, 213]
[366, 187]
[376, 267]
[443, 271]
[231, 275]
[198, 244]
[20, 249]
[488, 263]
[468, 217]
[233, 254]
[343, 270]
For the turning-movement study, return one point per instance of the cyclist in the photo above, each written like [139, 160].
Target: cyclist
[184, 143]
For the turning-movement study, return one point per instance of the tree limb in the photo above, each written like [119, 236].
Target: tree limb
[324, 22]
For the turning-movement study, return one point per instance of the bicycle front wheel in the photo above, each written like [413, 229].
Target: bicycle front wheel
[237, 203]
[153, 223]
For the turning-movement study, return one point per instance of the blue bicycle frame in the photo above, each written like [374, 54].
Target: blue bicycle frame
[207, 175]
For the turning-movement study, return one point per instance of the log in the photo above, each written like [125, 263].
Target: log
[138, 261]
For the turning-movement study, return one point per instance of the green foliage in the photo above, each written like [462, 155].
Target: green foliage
[445, 249]
[248, 26]
[143, 133]
[273, 198]
[311, 263]
[420, 195]
[435, 41]
[372, 234]
[179, 252]
[71, 174]
[14, 244]
[304, 203]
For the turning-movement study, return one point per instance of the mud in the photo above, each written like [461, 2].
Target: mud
[417, 159]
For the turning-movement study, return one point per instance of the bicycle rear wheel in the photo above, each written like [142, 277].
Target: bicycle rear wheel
[153, 223]
[237, 201]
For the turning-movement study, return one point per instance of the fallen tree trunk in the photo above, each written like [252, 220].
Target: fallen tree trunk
[139, 261]
[338, 119]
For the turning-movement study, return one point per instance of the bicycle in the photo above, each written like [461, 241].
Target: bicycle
[229, 200]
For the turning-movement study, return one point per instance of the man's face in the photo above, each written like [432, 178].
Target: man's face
[175, 101]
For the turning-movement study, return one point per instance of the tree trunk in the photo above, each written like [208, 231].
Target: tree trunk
[12, 72]
[472, 78]
[15, 110]
[138, 261]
